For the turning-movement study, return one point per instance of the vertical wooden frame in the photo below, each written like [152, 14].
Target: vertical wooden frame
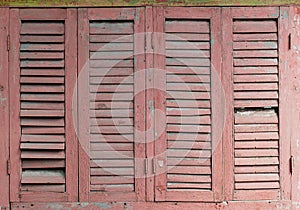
[285, 114]
[294, 105]
[4, 108]
[70, 104]
[83, 105]
[69, 17]
[227, 83]
[217, 104]
[159, 103]
[137, 16]
[149, 104]
[14, 81]
[139, 103]
[213, 15]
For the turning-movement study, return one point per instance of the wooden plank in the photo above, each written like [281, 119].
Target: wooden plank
[111, 38]
[111, 121]
[255, 37]
[256, 95]
[111, 63]
[41, 55]
[256, 195]
[256, 169]
[42, 80]
[189, 120]
[111, 14]
[112, 146]
[188, 54]
[14, 95]
[42, 154]
[187, 70]
[188, 95]
[42, 72]
[119, 55]
[111, 97]
[110, 105]
[113, 188]
[111, 88]
[256, 103]
[111, 28]
[4, 111]
[253, 186]
[256, 117]
[42, 138]
[189, 128]
[43, 180]
[111, 80]
[256, 152]
[112, 180]
[42, 113]
[187, 62]
[125, 113]
[42, 28]
[40, 14]
[110, 71]
[227, 82]
[188, 137]
[42, 38]
[257, 161]
[43, 97]
[117, 163]
[111, 138]
[255, 12]
[40, 164]
[188, 78]
[111, 129]
[188, 87]
[189, 178]
[45, 146]
[268, 144]
[255, 53]
[191, 170]
[261, 26]
[188, 104]
[249, 128]
[256, 70]
[43, 130]
[189, 145]
[42, 47]
[254, 62]
[42, 188]
[41, 64]
[112, 171]
[255, 86]
[185, 45]
[188, 186]
[43, 88]
[187, 37]
[42, 105]
[189, 162]
[257, 136]
[186, 25]
[42, 122]
[257, 45]
[187, 112]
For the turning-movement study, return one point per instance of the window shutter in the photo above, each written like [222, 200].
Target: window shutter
[42, 95]
[114, 106]
[257, 150]
[187, 152]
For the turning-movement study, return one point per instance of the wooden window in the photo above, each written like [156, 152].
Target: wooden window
[188, 155]
[257, 164]
[43, 74]
[111, 105]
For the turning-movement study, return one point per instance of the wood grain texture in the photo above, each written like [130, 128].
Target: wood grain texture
[4, 110]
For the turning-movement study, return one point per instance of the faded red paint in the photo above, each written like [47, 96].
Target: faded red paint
[153, 186]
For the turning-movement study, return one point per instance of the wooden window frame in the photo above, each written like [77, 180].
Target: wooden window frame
[71, 177]
[137, 16]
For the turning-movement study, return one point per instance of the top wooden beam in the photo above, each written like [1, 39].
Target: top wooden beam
[118, 3]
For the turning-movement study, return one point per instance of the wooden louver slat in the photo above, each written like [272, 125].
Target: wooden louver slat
[42, 106]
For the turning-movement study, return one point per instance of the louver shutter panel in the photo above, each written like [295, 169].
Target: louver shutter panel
[111, 112]
[188, 158]
[41, 102]
[258, 150]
